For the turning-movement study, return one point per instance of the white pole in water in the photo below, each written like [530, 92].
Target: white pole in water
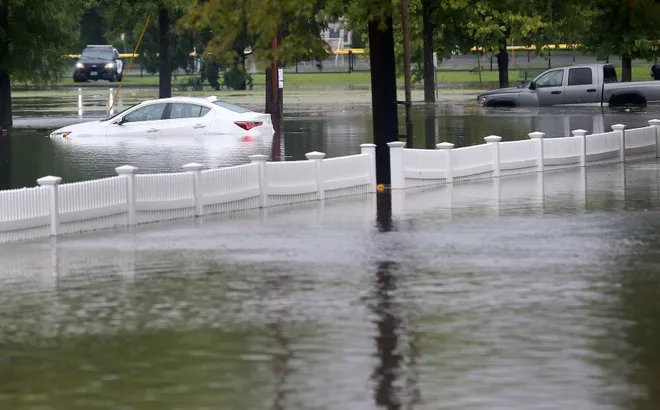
[80, 105]
[110, 102]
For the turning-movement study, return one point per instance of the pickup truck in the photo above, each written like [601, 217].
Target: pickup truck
[589, 84]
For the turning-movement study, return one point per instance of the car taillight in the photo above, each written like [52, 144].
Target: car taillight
[247, 125]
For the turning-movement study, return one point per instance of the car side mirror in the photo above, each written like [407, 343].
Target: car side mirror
[532, 85]
[119, 121]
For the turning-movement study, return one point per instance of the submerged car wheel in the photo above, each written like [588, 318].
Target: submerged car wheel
[502, 104]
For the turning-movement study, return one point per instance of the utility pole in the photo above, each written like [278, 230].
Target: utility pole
[274, 100]
[383, 93]
[406, 73]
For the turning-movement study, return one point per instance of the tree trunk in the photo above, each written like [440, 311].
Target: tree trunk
[429, 70]
[5, 162]
[503, 64]
[5, 82]
[626, 68]
[165, 60]
[383, 95]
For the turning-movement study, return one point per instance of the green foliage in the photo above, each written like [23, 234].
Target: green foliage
[237, 79]
[93, 26]
[236, 24]
[38, 34]
[628, 28]
[129, 17]
[210, 72]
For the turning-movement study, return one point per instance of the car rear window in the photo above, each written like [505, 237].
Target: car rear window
[230, 106]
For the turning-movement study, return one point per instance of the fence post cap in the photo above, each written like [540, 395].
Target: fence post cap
[367, 145]
[315, 155]
[493, 138]
[396, 144]
[126, 169]
[444, 145]
[618, 127]
[193, 166]
[579, 132]
[258, 158]
[536, 134]
[49, 180]
[654, 122]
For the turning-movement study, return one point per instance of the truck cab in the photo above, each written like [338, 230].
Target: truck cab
[591, 84]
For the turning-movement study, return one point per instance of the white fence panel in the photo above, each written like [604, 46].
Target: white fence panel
[164, 192]
[640, 140]
[425, 164]
[24, 208]
[603, 146]
[92, 199]
[472, 161]
[346, 175]
[518, 154]
[230, 189]
[561, 151]
[290, 181]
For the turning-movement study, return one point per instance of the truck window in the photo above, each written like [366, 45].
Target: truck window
[553, 78]
[609, 74]
[580, 76]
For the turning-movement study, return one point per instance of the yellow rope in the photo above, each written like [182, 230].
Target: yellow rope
[123, 77]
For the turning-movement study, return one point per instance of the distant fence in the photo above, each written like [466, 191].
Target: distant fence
[129, 198]
[446, 165]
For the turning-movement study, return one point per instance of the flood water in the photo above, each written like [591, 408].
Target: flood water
[531, 294]
[335, 128]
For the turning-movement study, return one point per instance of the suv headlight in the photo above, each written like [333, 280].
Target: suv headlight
[80, 65]
[481, 100]
[109, 65]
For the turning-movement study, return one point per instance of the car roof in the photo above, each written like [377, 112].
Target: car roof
[207, 100]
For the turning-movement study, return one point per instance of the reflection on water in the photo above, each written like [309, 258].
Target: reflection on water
[335, 129]
[486, 296]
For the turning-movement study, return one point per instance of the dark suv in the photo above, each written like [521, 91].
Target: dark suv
[98, 63]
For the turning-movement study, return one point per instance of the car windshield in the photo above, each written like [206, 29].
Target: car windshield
[96, 54]
[119, 113]
[230, 106]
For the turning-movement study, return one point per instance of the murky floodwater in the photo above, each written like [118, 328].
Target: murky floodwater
[534, 293]
[334, 127]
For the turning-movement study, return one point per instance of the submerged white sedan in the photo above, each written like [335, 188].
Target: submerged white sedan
[179, 117]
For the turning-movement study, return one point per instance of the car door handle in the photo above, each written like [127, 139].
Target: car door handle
[555, 92]
[199, 126]
[591, 90]
[152, 130]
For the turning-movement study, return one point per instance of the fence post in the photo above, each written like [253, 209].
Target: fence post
[621, 129]
[449, 171]
[656, 124]
[51, 183]
[538, 137]
[398, 178]
[583, 145]
[196, 170]
[263, 182]
[317, 157]
[371, 150]
[128, 172]
[494, 141]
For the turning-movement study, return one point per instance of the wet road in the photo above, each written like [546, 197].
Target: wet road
[530, 293]
[337, 127]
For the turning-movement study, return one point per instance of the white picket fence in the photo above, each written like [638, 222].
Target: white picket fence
[128, 199]
[419, 167]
